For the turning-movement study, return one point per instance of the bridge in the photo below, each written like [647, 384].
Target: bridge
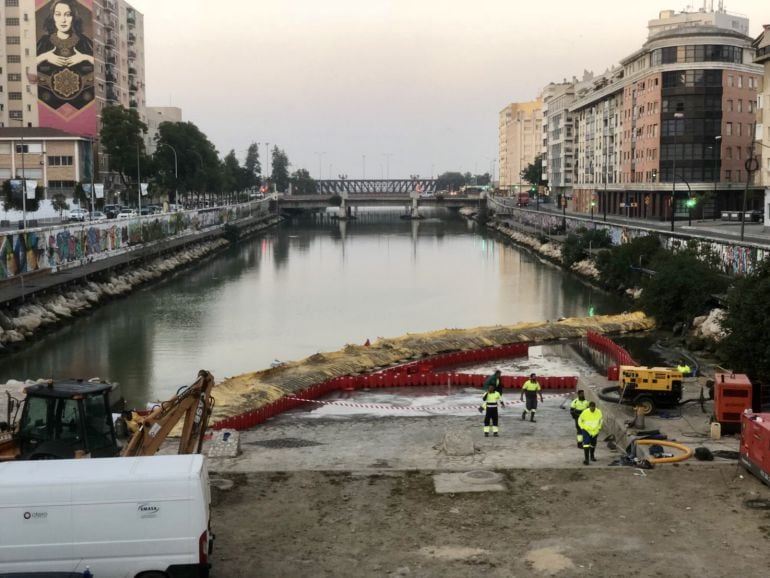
[376, 186]
[299, 203]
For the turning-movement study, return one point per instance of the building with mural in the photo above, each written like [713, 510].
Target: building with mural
[65, 60]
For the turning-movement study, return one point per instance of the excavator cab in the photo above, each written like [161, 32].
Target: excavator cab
[66, 419]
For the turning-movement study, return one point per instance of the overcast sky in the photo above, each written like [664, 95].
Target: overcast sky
[414, 85]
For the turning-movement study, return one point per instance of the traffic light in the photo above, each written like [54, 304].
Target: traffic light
[690, 203]
[533, 189]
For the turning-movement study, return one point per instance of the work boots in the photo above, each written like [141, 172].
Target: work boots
[593, 457]
[532, 416]
[524, 415]
[587, 452]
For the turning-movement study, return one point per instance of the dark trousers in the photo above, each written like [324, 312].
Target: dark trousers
[530, 398]
[490, 417]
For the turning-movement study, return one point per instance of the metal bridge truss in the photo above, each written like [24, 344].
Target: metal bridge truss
[376, 186]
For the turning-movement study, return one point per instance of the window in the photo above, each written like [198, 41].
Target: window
[728, 176]
[738, 153]
[14, 96]
[737, 129]
[61, 184]
[740, 82]
[60, 161]
[22, 149]
[11, 3]
[13, 40]
[14, 77]
[11, 21]
[729, 129]
[14, 59]
[729, 105]
[730, 80]
[729, 152]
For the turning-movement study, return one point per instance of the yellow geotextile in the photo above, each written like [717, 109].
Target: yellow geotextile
[251, 391]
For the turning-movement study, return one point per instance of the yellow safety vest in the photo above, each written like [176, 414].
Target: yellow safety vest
[491, 399]
[530, 385]
[579, 404]
[591, 421]
[683, 369]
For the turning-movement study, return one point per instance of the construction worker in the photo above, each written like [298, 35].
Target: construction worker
[590, 421]
[531, 389]
[492, 398]
[683, 368]
[578, 405]
[494, 379]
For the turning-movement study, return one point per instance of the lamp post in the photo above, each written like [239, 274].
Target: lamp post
[717, 150]
[176, 172]
[23, 178]
[320, 156]
[363, 166]
[751, 165]
[93, 184]
[387, 164]
[200, 157]
[677, 116]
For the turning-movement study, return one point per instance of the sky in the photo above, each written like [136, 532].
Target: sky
[380, 88]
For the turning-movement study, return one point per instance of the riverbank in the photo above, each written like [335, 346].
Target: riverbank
[22, 321]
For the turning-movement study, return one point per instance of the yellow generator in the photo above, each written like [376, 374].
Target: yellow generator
[650, 387]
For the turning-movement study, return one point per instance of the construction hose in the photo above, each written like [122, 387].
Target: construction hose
[673, 459]
[603, 394]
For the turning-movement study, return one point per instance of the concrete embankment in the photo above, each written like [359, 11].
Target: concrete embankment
[251, 391]
[84, 290]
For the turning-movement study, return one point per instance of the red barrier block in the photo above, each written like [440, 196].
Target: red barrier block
[477, 380]
[613, 373]
[506, 381]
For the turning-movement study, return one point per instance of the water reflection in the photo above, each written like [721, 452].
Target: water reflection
[310, 285]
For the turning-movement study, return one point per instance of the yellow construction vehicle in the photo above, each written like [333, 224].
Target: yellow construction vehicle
[650, 387]
[73, 419]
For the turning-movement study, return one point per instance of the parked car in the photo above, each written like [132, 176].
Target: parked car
[78, 214]
[127, 213]
[98, 215]
[111, 211]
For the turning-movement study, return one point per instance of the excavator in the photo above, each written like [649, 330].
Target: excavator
[73, 419]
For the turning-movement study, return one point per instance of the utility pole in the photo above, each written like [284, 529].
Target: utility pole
[387, 164]
[752, 165]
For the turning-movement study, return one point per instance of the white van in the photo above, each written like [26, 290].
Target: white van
[121, 517]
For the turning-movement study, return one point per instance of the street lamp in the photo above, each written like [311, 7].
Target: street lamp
[23, 177]
[717, 153]
[176, 172]
[677, 116]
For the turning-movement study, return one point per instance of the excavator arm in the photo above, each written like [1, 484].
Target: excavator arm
[192, 404]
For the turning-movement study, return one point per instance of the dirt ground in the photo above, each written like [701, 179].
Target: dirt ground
[682, 521]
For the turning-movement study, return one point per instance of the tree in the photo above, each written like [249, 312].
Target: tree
[303, 183]
[621, 267]
[60, 204]
[577, 245]
[482, 180]
[747, 345]
[252, 167]
[681, 288]
[450, 181]
[80, 196]
[122, 138]
[198, 160]
[533, 173]
[233, 175]
[280, 173]
[13, 199]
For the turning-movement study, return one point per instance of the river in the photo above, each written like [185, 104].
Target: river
[311, 284]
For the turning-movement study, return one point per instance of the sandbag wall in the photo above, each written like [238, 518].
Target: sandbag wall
[417, 373]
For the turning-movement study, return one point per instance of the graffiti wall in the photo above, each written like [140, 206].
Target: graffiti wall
[69, 245]
[735, 258]
[65, 65]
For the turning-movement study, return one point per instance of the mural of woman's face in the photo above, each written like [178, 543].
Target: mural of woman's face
[62, 17]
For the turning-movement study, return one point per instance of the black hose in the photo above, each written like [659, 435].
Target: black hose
[603, 394]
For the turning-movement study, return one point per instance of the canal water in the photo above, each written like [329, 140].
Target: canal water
[311, 284]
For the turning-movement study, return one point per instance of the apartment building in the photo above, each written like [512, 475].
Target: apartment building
[520, 135]
[679, 115]
[157, 115]
[762, 56]
[102, 44]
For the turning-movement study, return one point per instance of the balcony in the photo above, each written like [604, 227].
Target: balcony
[112, 94]
[109, 41]
[111, 77]
[133, 103]
[131, 38]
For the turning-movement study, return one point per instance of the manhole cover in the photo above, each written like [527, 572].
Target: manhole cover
[482, 477]
[285, 443]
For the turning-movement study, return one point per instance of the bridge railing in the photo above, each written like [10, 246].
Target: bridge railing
[375, 186]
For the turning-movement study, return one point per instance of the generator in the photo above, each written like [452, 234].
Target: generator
[755, 444]
[650, 387]
[732, 396]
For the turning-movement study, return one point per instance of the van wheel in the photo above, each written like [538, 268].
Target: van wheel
[152, 575]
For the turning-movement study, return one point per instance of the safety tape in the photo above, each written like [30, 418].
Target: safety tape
[385, 407]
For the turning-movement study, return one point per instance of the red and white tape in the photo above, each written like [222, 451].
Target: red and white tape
[385, 407]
